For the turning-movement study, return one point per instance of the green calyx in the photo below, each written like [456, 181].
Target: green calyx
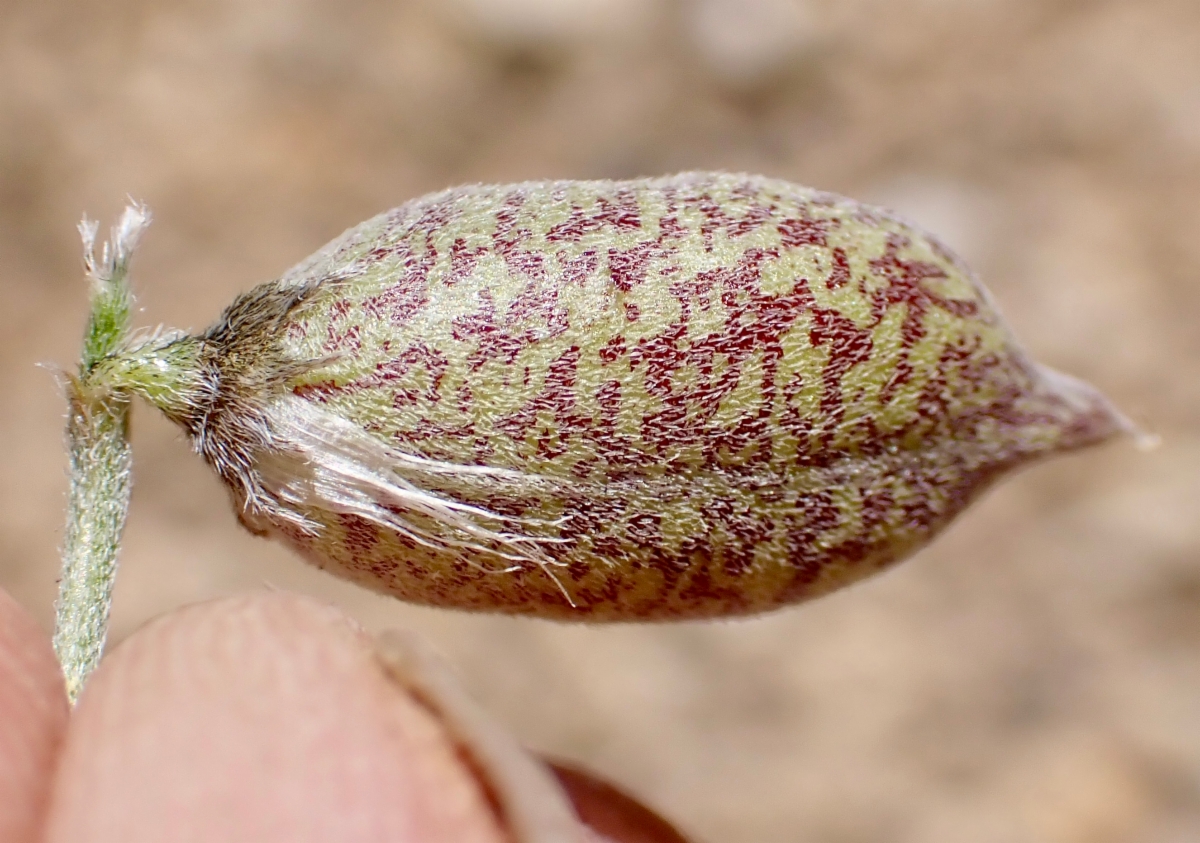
[111, 300]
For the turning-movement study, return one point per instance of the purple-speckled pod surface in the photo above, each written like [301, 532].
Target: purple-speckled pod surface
[692, 396]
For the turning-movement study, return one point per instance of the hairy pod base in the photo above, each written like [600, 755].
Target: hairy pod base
[695, 396]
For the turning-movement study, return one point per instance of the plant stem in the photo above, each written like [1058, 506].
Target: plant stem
[100, 464]
[100, 459]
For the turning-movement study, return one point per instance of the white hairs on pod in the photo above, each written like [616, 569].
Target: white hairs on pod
[322, 461]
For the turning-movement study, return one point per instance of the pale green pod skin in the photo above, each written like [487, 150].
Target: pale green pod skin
[696, 396]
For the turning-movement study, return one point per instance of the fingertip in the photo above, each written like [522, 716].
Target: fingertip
[33, 718]
[263, 717]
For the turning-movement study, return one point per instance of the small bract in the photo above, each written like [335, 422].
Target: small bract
[694, 396]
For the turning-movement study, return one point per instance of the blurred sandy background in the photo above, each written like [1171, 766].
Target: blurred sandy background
[1034, 676]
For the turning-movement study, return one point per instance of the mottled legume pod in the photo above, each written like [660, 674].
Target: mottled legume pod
[693, 396]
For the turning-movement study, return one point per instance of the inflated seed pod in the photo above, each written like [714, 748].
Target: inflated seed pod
[693, 396]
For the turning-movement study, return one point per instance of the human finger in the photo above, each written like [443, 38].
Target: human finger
[33, 719]
[264, 717]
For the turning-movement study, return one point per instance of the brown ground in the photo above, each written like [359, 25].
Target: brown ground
[1034, 676]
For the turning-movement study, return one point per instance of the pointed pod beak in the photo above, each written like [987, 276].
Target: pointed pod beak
[1075, 415]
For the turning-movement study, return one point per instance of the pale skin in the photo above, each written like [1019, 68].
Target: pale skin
[262, 717]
